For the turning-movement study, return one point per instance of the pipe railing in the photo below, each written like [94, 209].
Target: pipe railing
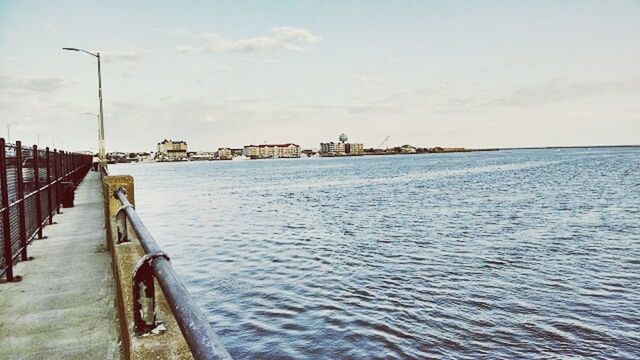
[31, 193]
[155, 264]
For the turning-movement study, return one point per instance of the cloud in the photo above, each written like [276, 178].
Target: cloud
[450, 99]
[174, 32]
[284, 38]
[557, 91]
[186, 49]
[365, 77]
[541, 94]
[10, 84]
[131, 55]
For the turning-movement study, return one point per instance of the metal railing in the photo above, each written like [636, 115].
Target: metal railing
[155, 265]
[31, 193]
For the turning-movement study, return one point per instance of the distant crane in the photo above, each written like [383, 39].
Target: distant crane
[384, 142]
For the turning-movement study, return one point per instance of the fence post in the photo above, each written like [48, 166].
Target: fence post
[6, 226]
[73, 168]
[62, 174]
[65, 165]
[20, 193]
[49, 207]
[56, 172]
[36, 171]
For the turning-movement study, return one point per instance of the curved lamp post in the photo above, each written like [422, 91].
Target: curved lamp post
[101, 150]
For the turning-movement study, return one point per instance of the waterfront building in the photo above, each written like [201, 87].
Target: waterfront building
[354, 149]
[265, 151]
[116, 157]
[225, 154]
[332, 149]
[341, 148]
[169, 150]
[236, 152]
[408, 149]
[308, 152]
[144, 156]
[202, 155]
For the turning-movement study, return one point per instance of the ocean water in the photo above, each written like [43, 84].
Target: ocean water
[508, 254]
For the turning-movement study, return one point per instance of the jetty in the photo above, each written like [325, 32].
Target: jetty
[80, 275]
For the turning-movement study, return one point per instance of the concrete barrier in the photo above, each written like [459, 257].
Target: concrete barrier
[169, 344]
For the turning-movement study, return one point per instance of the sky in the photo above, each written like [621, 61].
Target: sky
[230, 73]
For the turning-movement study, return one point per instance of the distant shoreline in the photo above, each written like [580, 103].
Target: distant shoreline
[422, 153]
[562, 147]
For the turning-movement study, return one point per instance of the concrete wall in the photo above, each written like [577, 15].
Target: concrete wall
[167, 345]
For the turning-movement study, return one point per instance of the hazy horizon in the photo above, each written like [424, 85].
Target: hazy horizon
[427, 73]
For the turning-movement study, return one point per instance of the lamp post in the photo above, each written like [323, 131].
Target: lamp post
[9, 131]
[101, 151]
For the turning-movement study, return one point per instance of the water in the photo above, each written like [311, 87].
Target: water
[510, 254]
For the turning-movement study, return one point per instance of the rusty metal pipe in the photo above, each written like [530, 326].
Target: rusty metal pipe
[202, 341]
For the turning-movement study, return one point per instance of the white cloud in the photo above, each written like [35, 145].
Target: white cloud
[280, 38]
[16, 85]
[173, 32]
[132, 55]
[186, 49]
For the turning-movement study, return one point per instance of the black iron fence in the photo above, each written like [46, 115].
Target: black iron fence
[31, 181]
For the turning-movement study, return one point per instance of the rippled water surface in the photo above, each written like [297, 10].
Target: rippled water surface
[505, 254]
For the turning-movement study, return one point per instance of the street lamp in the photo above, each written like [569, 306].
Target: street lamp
[101, 151]
[9, 131]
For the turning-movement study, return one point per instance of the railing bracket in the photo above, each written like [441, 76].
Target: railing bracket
[144, 309]
[123, 207]
[121, 224]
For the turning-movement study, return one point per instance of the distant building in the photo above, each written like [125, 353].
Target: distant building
[116, 157]
[341, 148]
[265, 151]
[332, 149]
[203, 155]
[236, 152]
[225, 154]
[169, 150]
[354, 149]
[407, 149]
[143, 156]
[308, 152]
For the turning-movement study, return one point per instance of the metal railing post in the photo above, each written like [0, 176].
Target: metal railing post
[121, 225]
[6, 225]
[144, 308]
[66, 166]
[20, 190]
[36, 172]
[56, 175]
[49, 208]
[62, 172]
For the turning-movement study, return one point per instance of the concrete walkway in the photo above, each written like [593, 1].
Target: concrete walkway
[64, 306]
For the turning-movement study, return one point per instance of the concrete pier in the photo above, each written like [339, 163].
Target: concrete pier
[64, 306]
